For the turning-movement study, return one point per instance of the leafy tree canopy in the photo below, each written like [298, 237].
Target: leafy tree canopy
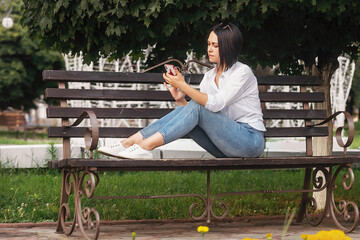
[21, 63]
[274, 31]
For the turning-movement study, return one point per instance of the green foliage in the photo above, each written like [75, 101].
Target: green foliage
[22, 60]
[275, 31]
[52, 152]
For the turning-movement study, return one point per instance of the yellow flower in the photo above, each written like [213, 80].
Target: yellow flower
[336, 234]
[313, 237]
[268, 236]
[326, 235]
[323, 235]
[203, 229]
[304, 236]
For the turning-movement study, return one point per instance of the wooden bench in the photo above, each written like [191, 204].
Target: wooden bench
[15, 120]
[80, 175]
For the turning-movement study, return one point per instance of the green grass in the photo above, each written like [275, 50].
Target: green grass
[10, 138]
[33, 195]
[356, 142]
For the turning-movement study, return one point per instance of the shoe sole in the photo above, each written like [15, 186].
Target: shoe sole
[108, 154]
[118, 156]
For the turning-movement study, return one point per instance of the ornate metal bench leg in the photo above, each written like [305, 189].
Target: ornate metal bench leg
[84, 217]
[69, 181]
[205, 202]
[314, 215]
[78, 183]
[208, 203]
[348, 211]
[305, 196]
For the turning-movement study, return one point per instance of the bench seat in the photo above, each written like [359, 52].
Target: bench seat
[178, 164]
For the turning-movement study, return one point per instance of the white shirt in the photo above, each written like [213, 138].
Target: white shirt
[237, 95]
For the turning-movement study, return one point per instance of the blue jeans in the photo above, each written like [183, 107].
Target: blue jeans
[215, 132]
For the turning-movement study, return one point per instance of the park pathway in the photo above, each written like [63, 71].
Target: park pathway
[256, 227]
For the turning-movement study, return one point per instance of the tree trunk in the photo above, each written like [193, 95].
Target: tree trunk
[322, 146]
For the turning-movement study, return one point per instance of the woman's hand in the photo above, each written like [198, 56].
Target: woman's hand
[178, 82]
[179, 96]
[175, 93]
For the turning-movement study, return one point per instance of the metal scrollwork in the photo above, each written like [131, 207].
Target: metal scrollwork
[346, 177]
[313, 214]
[85, 217]
[91, 135]
[312, 203]
[220, 205]
[318, 181]
[69, 186]
[86, 222]
[196, 206]
[351, 129]
[90, 184]
[65, 213]
[348, 211]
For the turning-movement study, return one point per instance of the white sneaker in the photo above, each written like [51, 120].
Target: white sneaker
[113, 150]
[135, 151]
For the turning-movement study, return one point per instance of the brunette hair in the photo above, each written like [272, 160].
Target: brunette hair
[230, 42]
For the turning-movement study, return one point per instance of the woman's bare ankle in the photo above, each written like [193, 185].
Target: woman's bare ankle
[126, 143]
[152, 142]
[134, 139]
[144, 146]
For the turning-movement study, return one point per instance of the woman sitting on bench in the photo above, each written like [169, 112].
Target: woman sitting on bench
[224, 117]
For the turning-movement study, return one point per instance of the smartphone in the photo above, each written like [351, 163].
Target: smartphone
[170, 69]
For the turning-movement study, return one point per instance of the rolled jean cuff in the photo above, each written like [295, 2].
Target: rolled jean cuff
[163, 135]
[143, 134]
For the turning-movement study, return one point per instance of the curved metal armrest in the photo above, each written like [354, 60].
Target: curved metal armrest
[91, 135]
[184, 67]
[351, 128]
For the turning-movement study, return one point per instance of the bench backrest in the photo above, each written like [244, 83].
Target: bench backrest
[14, 120]
[150, 83]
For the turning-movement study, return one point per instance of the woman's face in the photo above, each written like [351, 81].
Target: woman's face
[213, 49]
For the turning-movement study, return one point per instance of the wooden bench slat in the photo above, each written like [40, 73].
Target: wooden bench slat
[115, 164]
[110, 132]
[121, 132]
[119, 95]
[155, 113]
[106, 77]
[294, 114]
[280, 80]
[116, 77]
[297, 132]
[109, 113]
[149, 95]
[291, 97]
